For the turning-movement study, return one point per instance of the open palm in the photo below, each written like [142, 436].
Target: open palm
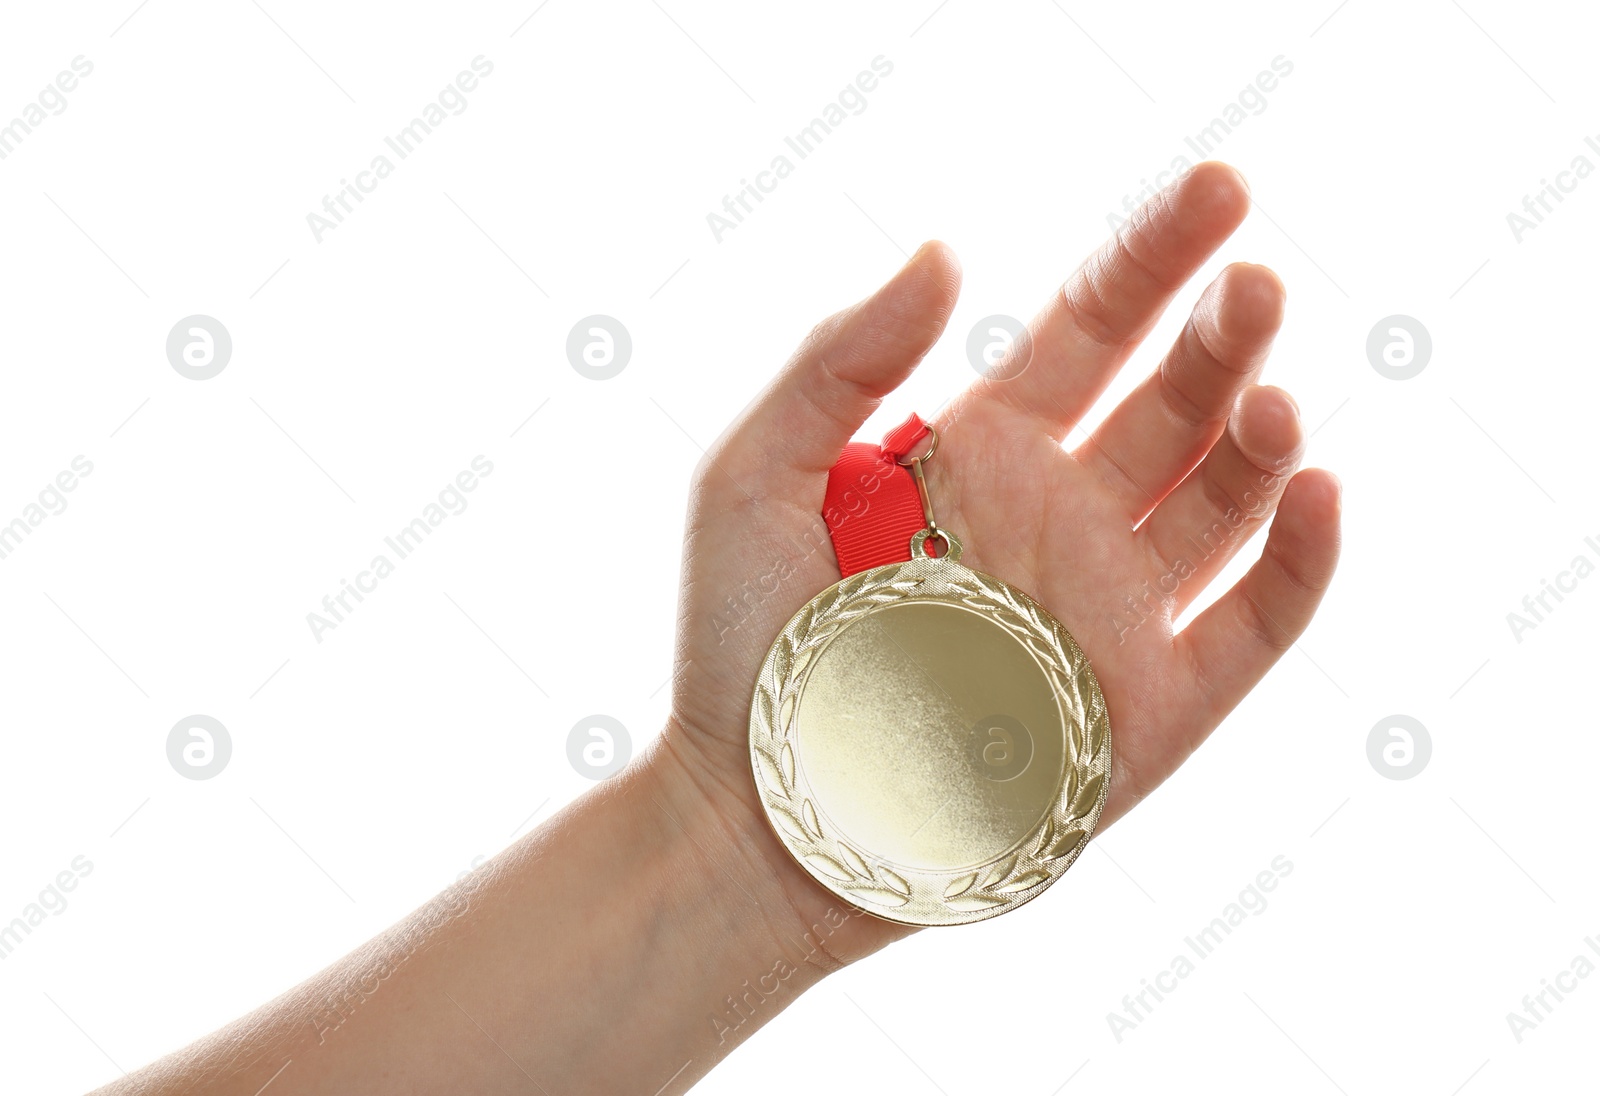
[1115, 536]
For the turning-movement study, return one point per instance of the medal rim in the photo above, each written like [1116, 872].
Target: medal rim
[936, 898]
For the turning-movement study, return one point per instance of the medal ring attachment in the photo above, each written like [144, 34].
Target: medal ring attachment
[920, 539]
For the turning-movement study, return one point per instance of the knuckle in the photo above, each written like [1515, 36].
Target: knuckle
[1185, 408]
[1260, 626]
[1085, 302]
[823, 333]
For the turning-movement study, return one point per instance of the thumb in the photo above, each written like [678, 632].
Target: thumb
[792, 433]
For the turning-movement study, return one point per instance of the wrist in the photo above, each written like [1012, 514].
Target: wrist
[722, 822]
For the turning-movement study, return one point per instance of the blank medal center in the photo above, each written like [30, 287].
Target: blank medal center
[931, 737]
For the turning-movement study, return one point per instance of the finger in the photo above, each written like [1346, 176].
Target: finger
[1088, 330]
[792, 432]
[1207, 519]
[1152, 439]
[1232, 645]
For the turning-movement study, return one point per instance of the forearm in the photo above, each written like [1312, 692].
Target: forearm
[628, 942]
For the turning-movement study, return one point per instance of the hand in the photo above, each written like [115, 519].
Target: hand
[663, 890]
[1115, 537]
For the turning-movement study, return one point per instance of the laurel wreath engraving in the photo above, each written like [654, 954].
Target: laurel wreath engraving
[1047, 853]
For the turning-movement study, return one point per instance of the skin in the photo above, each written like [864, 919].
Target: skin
[632, 941]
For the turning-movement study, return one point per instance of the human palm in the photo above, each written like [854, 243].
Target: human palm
[1115, 536]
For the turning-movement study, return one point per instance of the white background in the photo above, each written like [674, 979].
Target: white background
[370, 769]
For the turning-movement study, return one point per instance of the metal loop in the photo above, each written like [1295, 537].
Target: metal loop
[919, 543]
[933, 447]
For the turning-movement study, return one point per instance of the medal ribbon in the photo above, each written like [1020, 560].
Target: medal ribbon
[872, 507]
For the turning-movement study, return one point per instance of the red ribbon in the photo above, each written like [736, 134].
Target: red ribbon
[871, 506]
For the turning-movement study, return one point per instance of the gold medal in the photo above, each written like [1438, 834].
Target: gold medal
[928, 742]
